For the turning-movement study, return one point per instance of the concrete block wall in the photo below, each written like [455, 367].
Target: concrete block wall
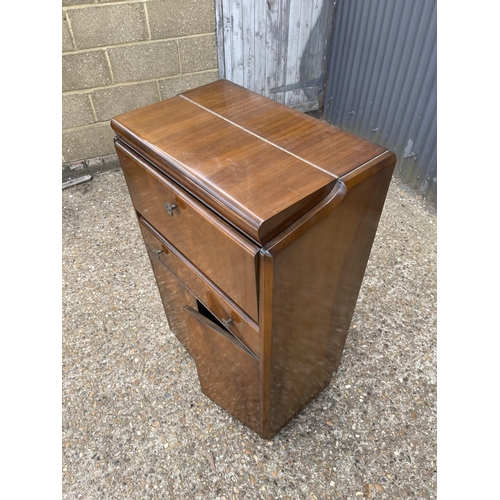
[119, 55]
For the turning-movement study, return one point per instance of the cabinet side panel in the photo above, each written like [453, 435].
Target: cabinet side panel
[369, 198]
[316, 281]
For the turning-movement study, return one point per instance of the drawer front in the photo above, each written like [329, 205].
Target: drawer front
[240, 325]
[223, 255]
[174, 297]
[228, 374]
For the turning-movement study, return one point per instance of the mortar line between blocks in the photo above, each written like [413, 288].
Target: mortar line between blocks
[146, 14]
[179, 54]
[148, 80]
[159, 90]
[92, 106]
[70, 29]
[98, 4]
[109, 65]
[137, 42]
[83, 127]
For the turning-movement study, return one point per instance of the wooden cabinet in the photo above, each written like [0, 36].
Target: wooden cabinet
[258, 221]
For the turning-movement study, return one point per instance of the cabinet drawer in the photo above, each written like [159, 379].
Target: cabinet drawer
[240, 325]
[228, 374]
[220, 252]
[174, 296]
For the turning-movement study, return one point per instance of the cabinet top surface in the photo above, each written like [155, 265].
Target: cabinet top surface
[258, 159]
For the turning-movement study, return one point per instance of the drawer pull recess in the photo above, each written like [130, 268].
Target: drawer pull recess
[170, 209]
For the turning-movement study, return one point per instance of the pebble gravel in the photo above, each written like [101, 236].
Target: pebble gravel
[137, 426]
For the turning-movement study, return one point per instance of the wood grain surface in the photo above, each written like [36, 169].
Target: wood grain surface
[316, 277]
[228, 374]
[221, 253]
[173, 293]
[320, 143]
[260, 261]
[266, 185]
[222, 306]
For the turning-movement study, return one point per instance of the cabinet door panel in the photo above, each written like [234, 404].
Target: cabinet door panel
[228, 373]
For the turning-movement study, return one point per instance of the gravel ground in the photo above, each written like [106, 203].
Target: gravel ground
[136, 425]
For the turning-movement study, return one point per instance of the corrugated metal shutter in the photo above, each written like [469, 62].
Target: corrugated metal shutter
[382, 82]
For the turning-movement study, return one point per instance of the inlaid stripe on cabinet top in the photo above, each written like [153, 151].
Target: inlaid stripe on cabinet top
[258, 164]
[259, 136]
[257, 186]
[315, 141]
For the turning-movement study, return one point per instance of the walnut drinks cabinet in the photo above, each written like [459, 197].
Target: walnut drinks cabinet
[258, 221]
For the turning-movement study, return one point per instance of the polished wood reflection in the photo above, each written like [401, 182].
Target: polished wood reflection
[264, 184]
[315, 141]
[227, 258]
[173, 293]
[222, 306]
[259, 222]
[305, 326]
[229, 374]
